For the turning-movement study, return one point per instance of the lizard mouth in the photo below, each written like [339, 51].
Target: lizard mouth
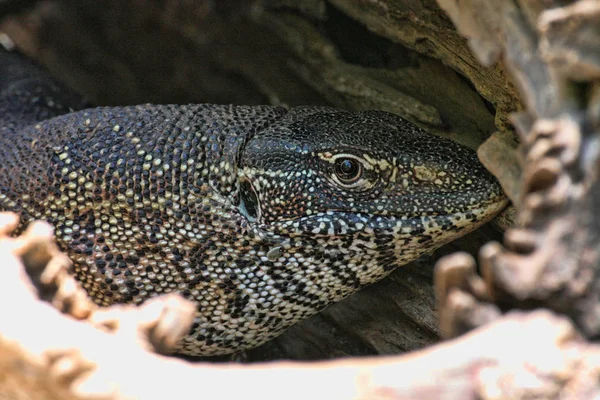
[431, 205]
[340, 223]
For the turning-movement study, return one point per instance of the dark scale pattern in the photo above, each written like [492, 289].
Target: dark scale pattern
[246, 210]
[28, 94]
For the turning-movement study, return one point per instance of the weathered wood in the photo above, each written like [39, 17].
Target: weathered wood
[552, 259]
[310, 52]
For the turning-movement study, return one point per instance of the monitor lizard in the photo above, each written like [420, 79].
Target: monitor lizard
[262, 215]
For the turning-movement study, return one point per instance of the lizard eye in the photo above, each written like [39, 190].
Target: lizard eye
[348, 170]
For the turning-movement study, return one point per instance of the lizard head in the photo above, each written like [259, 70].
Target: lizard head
[369, 180]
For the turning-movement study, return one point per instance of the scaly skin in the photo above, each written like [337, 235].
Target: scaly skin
[262, 215]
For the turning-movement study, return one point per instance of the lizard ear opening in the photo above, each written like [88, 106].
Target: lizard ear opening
[249, 205]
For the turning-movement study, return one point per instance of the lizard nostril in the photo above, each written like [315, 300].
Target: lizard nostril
[249, 205]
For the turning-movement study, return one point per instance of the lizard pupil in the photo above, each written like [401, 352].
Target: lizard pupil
[348, 169]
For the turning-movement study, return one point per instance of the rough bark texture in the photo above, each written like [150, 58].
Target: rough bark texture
[552, 260]
[401, 56]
